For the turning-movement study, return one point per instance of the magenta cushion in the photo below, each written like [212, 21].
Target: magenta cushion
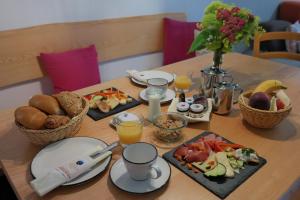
[178, 37]
[72, 70]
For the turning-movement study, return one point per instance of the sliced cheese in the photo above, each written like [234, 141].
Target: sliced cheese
[209, 164]
[222, 158]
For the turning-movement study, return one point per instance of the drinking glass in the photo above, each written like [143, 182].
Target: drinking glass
[130, 131]
[197, 83]
[157, 86]
[183, 82]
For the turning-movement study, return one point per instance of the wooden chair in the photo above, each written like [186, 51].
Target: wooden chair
[275, 36]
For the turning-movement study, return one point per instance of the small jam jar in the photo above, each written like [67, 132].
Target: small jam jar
[183, 108]
[189, 100]
[196, 110]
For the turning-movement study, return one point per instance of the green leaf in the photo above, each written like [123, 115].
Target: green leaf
[199, 41]
[212, 7]
[210, 20]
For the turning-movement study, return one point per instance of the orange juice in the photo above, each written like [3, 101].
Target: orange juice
[183, 82]
[129, 132]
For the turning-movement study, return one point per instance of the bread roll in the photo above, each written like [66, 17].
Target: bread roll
[55, 121]
[70, 102]
[30, 117]
[46, 103]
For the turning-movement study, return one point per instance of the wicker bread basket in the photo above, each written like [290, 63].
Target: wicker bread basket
[45, 136]
[261, 118]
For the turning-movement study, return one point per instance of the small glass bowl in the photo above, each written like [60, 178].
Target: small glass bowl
[169, 127]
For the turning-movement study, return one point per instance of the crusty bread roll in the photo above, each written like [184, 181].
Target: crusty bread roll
[55, 121]
[46, 103]
[70, 102]
[30, 117]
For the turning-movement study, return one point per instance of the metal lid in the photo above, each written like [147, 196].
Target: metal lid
[125, 116]
[189, 100]
[213, 71]
[182, 106]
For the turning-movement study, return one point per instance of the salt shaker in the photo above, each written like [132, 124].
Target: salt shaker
[154, 106]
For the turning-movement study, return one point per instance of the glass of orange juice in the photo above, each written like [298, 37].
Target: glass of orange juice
[130, 131]
[182, 83]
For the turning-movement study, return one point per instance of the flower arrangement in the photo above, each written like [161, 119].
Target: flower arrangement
[224, 25]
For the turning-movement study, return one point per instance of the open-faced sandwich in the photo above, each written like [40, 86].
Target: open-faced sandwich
[108, 99]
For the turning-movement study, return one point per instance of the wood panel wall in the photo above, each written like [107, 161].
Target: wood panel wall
[114, 38]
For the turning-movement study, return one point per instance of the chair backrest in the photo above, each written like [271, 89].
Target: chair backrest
[259, 37]
[113, 38]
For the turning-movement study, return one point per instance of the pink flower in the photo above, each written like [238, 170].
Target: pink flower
[231, 38]
[235, 10]
[241, 23]
[223, 14]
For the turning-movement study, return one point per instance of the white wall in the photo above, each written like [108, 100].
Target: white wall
[18, 14]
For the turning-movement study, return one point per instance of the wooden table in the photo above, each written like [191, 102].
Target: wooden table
[280, 146]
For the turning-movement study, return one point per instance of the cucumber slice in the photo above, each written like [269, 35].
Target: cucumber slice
[233, 163]
[219, 170]
[96, 97]
[208, 165]
[204, 167]
[240, 163]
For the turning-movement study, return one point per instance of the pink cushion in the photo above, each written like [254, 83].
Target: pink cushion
[178, 37]
[72, 70]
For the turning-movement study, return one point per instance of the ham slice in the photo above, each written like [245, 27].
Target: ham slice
[196, 156]
[181, 152]
[196, 146]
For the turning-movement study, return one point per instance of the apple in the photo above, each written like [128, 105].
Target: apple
[279, 104]
[260, 100]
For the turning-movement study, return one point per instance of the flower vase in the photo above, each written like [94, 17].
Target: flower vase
[213, 74]
[217, 60]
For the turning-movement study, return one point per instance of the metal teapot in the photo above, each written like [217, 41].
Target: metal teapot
[212, 76]
[223, 96]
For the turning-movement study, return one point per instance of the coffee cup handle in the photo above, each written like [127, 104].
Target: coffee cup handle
[157, 171]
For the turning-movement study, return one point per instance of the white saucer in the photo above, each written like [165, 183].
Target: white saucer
[60, 152]
[170, 94]
[121, 179]
[153, 74]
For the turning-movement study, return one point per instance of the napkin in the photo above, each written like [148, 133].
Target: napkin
[136, 75]
[204, 118]
[66, 172]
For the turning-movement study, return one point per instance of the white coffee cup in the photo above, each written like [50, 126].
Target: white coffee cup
[139, 159]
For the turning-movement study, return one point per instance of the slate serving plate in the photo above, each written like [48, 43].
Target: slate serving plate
[221, 187]
[96, 114]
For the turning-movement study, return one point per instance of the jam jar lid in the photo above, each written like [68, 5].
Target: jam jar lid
[189, 100]
[197, 108]
[182, 106]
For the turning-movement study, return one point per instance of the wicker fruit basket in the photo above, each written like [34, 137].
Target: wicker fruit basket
[46, 136]
[261, 118]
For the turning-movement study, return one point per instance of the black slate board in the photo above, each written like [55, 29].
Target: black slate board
[96, 114]
[221, 187]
